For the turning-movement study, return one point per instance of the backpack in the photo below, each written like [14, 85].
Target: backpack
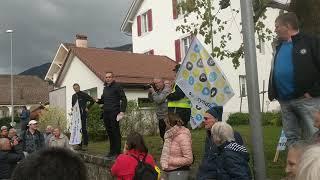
[144, 171]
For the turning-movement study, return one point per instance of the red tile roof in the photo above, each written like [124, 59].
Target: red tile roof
[128, 68]
[27, 90]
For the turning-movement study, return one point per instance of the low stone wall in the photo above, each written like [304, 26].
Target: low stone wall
[97, 166]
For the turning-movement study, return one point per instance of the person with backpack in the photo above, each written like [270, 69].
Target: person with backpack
[176, 157]
[135, 163]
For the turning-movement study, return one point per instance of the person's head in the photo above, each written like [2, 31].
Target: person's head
[109, 77]
[51, 164]
[56, 132]
[295, 152]
[33, 125]
[309, 166]
[212, 116]
[4, 131]
[49, 129]
[5, 144]
[316, 118]
[135, 141]
[222, 132]
[174, 119]
[159, 83]
[24, 107]
[286, 25]
[76, 87]
[12, 133]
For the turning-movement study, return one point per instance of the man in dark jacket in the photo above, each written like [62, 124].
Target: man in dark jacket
[208, 168]
[294, 79]
[114, 103]
[83, 99]
[32, 139]
[9, 157]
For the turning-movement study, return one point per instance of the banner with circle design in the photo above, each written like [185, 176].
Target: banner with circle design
[202, 81]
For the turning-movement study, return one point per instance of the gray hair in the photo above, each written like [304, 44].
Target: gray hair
[299, 145]
[222, 132]
[2, 142]
[309, 167]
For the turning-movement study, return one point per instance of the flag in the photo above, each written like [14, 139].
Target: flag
[282, 142]
[75, 126]
[202, 81]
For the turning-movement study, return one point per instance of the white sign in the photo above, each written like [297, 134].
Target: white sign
[202, 81]
[282, 142]
[75, 126]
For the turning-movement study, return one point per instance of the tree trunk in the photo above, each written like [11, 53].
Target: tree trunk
[308, 15]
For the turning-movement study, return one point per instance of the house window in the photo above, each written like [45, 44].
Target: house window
[185, 44]
[151, 52]
[144, 23]
[92, 92]
[181, 47]
[181, 12]
[262, 46]
[145, 102]
[242, 85]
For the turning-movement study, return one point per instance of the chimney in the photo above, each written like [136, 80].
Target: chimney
[81, 41]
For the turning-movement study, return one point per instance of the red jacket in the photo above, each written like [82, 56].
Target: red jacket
[125, 165]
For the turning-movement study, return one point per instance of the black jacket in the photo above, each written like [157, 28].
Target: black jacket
[306, 67]
[8, 161]
[209, 168]
[83, 98]
[233, 162]
[113, 98]
[176, 95]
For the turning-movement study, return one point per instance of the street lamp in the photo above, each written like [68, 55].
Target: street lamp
[10, 31]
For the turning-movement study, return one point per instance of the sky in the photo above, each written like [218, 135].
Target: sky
[41, 25]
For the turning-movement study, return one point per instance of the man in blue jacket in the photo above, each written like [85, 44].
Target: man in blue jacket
[208, 167]
[294, 79]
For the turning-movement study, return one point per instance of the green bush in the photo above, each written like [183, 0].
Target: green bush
[5, 121]
[268, 119]
[96, 129]
[236, 119]
[53, 116]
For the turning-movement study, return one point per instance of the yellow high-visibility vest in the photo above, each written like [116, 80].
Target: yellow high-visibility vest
[182, 103]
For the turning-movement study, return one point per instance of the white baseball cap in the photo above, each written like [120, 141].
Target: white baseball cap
[32, 122]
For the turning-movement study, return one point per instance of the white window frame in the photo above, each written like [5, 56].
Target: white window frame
[184, 47]
[144, 23]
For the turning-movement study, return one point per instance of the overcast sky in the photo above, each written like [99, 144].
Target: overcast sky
[41, 25]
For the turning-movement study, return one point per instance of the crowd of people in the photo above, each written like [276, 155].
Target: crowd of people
[26, 156]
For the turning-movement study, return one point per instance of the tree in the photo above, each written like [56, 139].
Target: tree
[210, 25]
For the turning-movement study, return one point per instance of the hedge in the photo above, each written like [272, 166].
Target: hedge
[268, 119]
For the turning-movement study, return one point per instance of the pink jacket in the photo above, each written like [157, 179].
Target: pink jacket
[177, 148]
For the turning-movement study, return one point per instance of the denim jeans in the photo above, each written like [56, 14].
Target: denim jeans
[297, 118]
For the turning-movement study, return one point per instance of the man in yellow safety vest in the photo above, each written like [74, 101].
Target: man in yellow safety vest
[178, 103]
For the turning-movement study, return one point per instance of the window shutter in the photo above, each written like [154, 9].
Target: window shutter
[174, 9]
[149, 13]
[139, 25]
[178, 52]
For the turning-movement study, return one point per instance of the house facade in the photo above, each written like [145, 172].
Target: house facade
[28, 91]
[77, 63]
[152, 26]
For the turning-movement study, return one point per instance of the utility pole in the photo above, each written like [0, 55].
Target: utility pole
[259, 166]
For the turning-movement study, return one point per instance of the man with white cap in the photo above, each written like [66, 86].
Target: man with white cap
[32, 139]
[4, 132]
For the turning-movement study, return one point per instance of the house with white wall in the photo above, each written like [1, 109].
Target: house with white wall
[152, 26]
[78, 63]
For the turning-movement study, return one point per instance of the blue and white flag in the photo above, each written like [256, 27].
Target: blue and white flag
[75, 126]
[202, 81]
[282, 142]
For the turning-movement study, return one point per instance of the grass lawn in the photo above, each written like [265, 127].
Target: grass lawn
[271, 137]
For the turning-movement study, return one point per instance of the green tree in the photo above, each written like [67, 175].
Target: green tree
[211, 26]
